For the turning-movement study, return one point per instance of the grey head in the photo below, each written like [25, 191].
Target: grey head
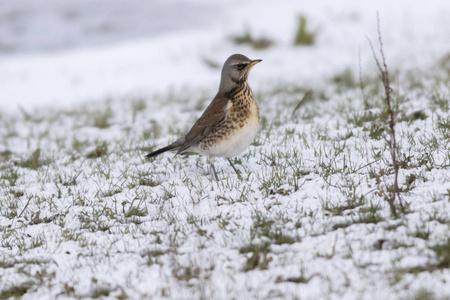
[235, 71]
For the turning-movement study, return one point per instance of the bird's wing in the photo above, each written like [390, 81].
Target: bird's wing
[214, 115]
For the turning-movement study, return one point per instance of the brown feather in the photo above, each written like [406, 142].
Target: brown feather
[214, 115]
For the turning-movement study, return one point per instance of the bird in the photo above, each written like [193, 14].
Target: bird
[229, 124]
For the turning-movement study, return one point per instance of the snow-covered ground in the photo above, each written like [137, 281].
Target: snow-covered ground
[95, 85]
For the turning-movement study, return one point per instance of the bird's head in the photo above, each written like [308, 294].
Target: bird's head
[235, 71]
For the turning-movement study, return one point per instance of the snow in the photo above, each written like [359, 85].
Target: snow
[66, 63]
[143, 65]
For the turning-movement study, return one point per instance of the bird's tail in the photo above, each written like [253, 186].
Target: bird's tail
[172, 146]
[159, 151]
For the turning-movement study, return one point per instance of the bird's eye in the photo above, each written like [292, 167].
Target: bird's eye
[240, 67]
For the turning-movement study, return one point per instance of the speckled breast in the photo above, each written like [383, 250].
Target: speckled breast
[237, 132]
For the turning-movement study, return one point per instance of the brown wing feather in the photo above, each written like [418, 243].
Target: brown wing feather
[214, 115]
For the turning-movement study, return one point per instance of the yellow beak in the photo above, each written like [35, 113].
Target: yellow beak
[254, 62]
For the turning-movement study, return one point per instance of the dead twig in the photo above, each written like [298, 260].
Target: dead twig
[26, 205]
[361, 84]
[392, 113]
[302, 101]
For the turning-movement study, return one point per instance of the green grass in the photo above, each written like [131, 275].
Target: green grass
[303, 36]
[16, 291]
[442, 255]
[248, 39]
[99, 151]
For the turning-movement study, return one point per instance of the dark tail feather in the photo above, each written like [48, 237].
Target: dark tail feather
[159, 151]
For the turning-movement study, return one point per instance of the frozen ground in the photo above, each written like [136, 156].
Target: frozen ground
[83, 215]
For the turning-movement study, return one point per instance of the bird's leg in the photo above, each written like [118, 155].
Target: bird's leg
[238, 173]
[211, 161]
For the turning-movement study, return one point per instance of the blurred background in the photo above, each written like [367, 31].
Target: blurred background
[60, 52]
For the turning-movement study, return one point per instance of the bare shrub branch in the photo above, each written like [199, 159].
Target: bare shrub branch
[392, 113]
[361, 84]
